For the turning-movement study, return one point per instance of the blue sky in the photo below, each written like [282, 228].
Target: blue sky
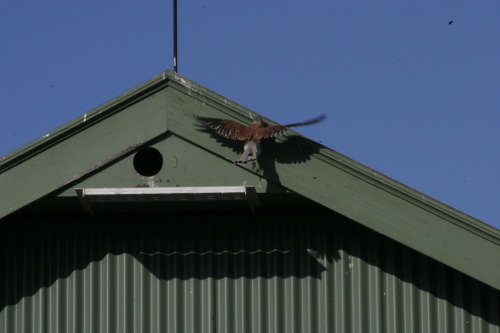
[411, 88]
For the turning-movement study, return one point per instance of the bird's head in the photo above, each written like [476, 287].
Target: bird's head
[258, 120]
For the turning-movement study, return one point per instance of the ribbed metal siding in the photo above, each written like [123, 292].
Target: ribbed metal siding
[262, 273]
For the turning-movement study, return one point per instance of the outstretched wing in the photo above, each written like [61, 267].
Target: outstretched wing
[309, 122]
[272, 131]
[226, 128]
[277, 130]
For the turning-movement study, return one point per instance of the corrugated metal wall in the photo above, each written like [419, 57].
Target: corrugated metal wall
[221, 272]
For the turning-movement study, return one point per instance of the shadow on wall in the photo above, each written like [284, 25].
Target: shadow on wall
[293, 149]
[36, 251]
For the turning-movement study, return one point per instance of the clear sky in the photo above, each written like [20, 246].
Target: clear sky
[411, 88]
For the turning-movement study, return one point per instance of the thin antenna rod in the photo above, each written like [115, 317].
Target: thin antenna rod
[175, 36]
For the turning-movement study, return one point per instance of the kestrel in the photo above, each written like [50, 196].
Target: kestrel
[250, 134]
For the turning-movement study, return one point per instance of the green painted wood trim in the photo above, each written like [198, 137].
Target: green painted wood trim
[86, 120]
[82, 146]
[326, 177]
[357, 192]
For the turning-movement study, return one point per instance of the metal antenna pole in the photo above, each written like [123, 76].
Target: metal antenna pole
[175, 36]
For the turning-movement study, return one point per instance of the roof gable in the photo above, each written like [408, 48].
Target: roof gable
[159, 113]
[89, 142]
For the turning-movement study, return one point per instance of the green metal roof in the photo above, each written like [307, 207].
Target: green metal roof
[95, 150]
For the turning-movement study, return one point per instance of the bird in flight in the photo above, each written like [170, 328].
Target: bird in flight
[250, 134]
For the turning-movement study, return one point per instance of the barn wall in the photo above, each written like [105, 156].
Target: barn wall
[227, 272]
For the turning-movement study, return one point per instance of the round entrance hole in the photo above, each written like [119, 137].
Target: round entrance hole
[148, 162]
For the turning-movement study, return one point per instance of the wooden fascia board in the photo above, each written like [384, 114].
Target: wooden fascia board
[328, 178]
[83, 145]
[367, 197]
[84, 121]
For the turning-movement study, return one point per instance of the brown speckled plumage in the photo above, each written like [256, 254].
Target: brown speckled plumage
[251, 134]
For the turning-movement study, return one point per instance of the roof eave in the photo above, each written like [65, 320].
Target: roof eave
[327, 178]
